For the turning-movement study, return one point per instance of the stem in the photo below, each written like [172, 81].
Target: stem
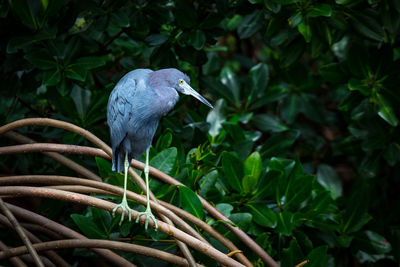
[17, 227]
[98, 243]
[102, 204]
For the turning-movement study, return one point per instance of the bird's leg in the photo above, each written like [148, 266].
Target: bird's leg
[124, 204]
[148, 212]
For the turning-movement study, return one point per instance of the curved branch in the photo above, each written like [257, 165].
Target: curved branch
[102, 204]
[21, 233]
[63, 181]
[88, 187]
[95, 140]
[14, 260]
[98, 243]
[65, 231]
[51, 147]
[154, 172]
[51, 255]
[19, 138]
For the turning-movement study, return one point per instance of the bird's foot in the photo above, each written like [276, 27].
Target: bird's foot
[148, 215]
[124, 206]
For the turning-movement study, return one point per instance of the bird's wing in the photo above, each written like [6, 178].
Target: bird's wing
[119, 109]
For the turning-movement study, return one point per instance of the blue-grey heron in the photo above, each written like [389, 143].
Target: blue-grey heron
[135, 107]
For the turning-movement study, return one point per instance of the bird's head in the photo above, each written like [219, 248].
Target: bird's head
[181, 83]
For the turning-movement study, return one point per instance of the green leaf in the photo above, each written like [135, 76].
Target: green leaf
[25, 12]
[225, 209]
[89, 63]
[76, 72]
[216, 117]
[386, 110]
[41, 59]
[197, 39]
[233, 170]
[234, 22]
[269, 123]
[81, 98]
[207, 182]
[164, 141]
[263, 215]
[229, 79]
[156, 39]
[166, 160]
[366, 24]
[357, 85]
[317, 257]
[259, 75]
[88, 227]
[249, 183]
[320, 10]
[372, 242]
[250, 24]
[329, 179]
[292, 255]
[51, 77]
[190, 202]
[104, 167]
[286, 223]
[252, 172]
[292, 53]
[20, 42]
[242, 220]
[278, 144]
[305, 29]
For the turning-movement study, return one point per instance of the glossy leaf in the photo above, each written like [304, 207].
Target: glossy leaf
[267, 122]
[305, 30]
[386, 111]
[233, 170]
[329, 179]
[286, 223]
[252, 172]
[263, 215]
[42, 60]
[216, 117]
[87, 226]
[320, 10]
[250, 24]
[104, 167]
[190, 202]
[229, 79]
[259, 75]
[317, 257]
[165, 161]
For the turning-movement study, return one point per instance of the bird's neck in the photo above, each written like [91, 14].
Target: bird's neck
[166, 96]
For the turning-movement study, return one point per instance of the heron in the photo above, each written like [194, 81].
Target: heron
[134, 109]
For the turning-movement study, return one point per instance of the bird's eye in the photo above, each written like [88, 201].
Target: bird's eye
[181, 82]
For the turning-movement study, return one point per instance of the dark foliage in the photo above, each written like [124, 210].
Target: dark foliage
[302, 148]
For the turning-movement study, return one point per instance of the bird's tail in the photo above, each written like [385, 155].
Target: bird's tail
[118, 160]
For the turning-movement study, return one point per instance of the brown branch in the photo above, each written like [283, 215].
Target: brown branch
[63, 181]
[19, 138]
[184, 214]
[98, 243]
[14, 260]
[46, 147]
[21, 233]
[54, 257]
[66, 232]
[216, 214]
[95, 140]
[102, 204]
[156, 173]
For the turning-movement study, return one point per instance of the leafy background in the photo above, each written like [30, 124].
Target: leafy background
[302, 148]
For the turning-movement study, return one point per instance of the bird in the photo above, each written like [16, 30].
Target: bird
[135, 107]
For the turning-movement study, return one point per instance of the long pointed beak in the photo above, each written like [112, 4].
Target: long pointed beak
[187, 90]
